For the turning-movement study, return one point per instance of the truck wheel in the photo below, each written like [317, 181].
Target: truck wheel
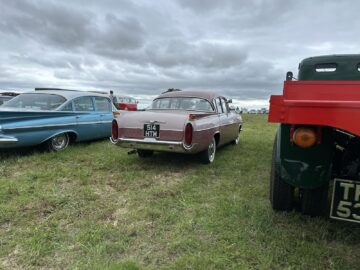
[281, 193]
[208, 155]
[58, 142]
[313, 201]
[145, 153]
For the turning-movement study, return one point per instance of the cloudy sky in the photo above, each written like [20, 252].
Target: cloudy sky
[140, 47]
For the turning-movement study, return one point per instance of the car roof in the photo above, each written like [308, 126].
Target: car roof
[68, 94]
[208, 95]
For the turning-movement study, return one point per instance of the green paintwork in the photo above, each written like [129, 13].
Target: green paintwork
[346, 67]
[311, 167]
[304, 167]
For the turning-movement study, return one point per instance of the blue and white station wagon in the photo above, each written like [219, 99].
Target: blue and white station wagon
[54, 118]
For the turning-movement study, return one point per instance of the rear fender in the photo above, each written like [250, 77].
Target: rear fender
[304, 167]
[73, 135]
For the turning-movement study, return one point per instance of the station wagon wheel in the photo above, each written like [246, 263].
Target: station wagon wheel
[145, 153]
[58, 142]
[208, 155]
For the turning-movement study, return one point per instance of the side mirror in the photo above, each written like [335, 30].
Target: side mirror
[137, 102]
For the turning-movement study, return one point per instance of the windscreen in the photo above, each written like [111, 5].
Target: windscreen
[182, 103]
[35, 102]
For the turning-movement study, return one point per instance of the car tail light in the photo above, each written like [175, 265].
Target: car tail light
[188, 134]
[114, 130]
[304, 137]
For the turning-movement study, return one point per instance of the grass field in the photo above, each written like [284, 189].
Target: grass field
[94, 206]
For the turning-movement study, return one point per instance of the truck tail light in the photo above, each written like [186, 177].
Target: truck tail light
[188, 134]
[304, 137]
[114, 130]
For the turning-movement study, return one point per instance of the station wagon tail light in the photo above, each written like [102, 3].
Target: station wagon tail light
[304, 137]
[114, 130]
[188, 134]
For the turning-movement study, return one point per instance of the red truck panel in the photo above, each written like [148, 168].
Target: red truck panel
[325, 103]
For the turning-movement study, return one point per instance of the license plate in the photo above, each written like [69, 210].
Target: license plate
[151, 131]
[345, 204]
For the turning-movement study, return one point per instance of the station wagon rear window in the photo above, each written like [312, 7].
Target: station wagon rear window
[36, 102]
[182, 103]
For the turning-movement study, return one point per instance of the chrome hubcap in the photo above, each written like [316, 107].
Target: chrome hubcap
[237, 138]
[60, 142]
[211, 151]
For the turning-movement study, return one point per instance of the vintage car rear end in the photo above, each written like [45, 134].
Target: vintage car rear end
[182, 122]
[318, 138]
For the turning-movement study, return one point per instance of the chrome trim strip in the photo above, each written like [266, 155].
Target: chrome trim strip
[142, 128]
[57, 125]
[8, 140]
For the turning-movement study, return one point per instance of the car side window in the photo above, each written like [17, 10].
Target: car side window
[226, 105]
[102, 104]
[67, 108]
[219, 105]
[84, 104]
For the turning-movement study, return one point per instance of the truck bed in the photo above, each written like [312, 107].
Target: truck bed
[325, 103]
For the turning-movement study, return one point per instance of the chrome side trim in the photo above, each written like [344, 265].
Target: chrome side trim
[8, 140]
[57, 125]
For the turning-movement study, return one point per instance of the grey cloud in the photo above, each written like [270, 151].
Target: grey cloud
[202, 55]
[46, 22]
[240, 48]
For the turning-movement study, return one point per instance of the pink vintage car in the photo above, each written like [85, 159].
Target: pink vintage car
[187, 122]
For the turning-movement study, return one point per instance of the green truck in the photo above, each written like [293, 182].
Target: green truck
[317, 144]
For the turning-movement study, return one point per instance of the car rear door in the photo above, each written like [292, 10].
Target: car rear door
[88, 120]
[104, 109]
[226, 121]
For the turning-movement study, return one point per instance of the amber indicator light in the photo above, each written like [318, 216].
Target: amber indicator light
[304, 137]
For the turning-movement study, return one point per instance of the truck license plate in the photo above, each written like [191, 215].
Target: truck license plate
[345, 204]
[151, 131]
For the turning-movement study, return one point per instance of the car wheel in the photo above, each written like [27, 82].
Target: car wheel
[236, 141]
[58, 142]
[145, 153]
[208, 155]
[281, 193]
[314, 201]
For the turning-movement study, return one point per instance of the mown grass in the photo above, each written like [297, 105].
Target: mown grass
[94, 206]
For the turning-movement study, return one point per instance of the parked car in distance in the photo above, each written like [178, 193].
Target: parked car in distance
[5, 96]
[54, 117]
[187, 122]
[126, 103]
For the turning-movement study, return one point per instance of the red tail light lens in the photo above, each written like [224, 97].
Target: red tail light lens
[188, 134]
[114, 130]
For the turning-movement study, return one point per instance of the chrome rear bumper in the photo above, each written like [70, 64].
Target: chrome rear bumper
[155, 145]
